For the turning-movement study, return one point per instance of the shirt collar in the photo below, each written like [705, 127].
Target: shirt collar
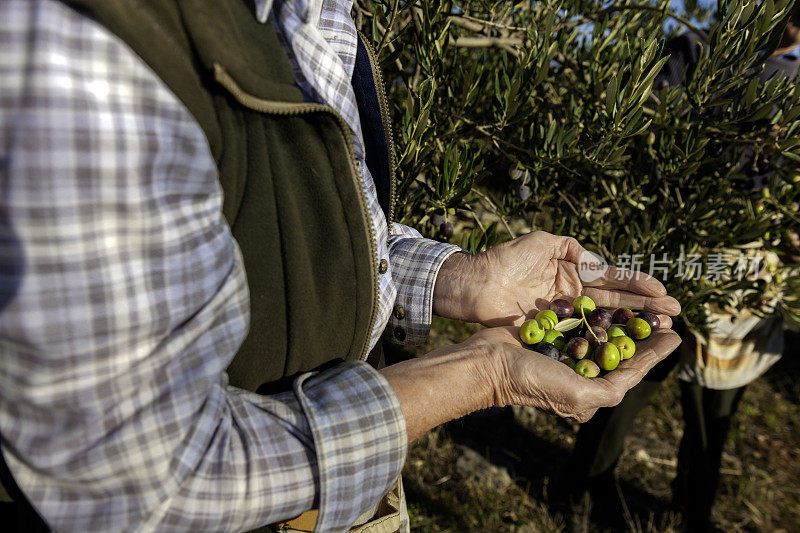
[263, 7]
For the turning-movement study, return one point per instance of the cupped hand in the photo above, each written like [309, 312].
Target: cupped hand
[520, 376]
[510, 282]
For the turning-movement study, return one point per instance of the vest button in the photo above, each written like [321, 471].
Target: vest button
[399, 333]
[399, 312]
[384, 266]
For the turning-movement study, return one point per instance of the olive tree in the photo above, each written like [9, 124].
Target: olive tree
[544, 115]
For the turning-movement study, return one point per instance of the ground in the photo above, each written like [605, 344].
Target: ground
[504, 469]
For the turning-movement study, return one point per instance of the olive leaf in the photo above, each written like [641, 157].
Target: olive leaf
[568, 324]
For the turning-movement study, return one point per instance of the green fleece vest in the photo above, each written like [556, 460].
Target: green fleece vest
[287, 169]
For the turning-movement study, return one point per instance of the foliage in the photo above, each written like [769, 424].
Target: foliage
[558, 96]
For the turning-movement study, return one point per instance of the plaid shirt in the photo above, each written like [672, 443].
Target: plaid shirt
[123, 298]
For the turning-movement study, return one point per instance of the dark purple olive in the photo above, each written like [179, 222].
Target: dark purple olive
[651, 319]
[567, 360]
[446, 230]
[545, 348]
[562, 308]
[437, 219]
[622, 315]
[600, 318]
[577, 348]
[600, 336]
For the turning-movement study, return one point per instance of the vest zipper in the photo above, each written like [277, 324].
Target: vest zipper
[291, 109]
[387, 126]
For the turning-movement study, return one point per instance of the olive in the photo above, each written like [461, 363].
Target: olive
[562, 308]
[531, 332]
[625, 345]
[600, 318]
[569, 361]
[651, 319]
[638, 329]
[517, 173]
[547, 318]
[446, 230]
[577, 348]
[600, 336]
[437, 218]
[607, 356]
[587, 368]
[616, 330]
[583, 302]
[622, 315]
[547, 349]
[556, 338]
[524, 192]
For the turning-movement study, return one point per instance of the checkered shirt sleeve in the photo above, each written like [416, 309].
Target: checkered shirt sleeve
[122, 300]
[415, 264]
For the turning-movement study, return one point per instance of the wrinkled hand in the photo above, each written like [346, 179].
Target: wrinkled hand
[508, 283]
[520, 376]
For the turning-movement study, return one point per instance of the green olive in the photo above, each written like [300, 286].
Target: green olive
[625, 345]
[584, 302]
[616, 330]
[638, 329]
[587, 368]
[531, 332]
[547, 318]
[607, 356]
[556, 338]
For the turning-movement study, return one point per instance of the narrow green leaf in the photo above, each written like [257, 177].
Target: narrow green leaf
[568, 324]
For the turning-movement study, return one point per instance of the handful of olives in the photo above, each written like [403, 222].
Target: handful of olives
[588, 339]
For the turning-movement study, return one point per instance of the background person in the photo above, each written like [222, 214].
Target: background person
[714, 370]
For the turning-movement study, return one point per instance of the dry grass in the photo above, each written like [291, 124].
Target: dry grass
[504, 469]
